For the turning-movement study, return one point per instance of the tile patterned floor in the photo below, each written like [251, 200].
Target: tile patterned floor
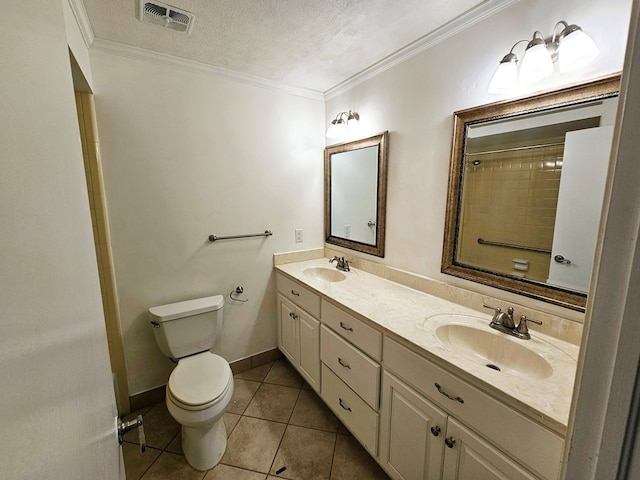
[274, 420]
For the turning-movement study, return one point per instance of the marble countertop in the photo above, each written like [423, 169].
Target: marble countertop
[412, 317]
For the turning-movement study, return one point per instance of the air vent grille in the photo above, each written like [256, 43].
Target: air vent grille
[166, 16]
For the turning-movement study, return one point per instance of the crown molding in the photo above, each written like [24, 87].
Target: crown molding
[120, 49]
[82, 19]
[462, 22]
[467, 19]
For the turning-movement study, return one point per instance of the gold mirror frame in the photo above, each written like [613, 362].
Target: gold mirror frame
[573, 95]
[380, 140]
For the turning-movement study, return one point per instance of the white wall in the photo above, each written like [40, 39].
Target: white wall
[57, 407]
[415, 101]
[186, 155]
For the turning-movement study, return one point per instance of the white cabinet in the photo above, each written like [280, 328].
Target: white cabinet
[505, 442]
[412, 431]
[468, 457]
[350, 372]
[419, 441]
[299, 340]
[415, 417]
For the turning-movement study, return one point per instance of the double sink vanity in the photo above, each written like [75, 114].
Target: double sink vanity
[418, 375]
[425, 385]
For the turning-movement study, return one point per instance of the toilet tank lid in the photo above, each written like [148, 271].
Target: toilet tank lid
[164, 313]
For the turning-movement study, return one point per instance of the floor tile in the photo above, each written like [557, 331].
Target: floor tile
[227, 472]
[310, 411]
[230, 422]
[306, 453]
[352, 462]
[273, 402]
[159, 427]
[243, 391]
[135, 462]
[256, 374]
[253, 444]
[170, 466]
[283, 373]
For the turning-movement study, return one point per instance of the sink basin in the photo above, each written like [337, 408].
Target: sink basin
[325, 274]
[493, 350]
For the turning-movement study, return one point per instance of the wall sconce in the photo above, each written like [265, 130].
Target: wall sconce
[572, 48]
[340, 125]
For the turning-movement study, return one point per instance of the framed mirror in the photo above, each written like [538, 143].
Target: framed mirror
[526, 186]
[355, 194]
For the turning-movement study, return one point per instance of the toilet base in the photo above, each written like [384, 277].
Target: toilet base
[203, 447]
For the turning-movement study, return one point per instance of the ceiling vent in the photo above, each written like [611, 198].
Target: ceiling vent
[166, 16]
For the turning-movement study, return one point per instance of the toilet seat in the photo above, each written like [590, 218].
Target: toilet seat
[199, 381]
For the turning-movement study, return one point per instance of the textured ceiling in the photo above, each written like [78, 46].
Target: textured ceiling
[312, 44]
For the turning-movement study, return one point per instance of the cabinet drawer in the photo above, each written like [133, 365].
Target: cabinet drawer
[352, 366]
[498, 423]
[357, 332]
[357, 416]
[301, 296]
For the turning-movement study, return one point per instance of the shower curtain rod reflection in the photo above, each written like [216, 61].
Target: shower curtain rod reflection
[266, 233]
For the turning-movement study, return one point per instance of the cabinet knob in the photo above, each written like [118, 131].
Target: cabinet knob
[449, 442]
[435, 431]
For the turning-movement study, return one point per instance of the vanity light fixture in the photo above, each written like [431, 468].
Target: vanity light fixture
[340, 125]
[572, 48]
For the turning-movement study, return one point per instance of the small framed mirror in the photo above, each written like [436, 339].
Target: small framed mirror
[526, 185]
[355, 194]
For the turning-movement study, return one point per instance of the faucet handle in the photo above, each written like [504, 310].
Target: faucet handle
[522, 329]
[496, 309]
[334, 258]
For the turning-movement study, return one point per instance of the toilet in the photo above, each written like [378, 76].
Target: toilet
[201, 385]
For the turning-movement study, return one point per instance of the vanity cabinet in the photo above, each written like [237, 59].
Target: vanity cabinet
[480, 436]
[299, 330]
[414, 416]
[350, 353]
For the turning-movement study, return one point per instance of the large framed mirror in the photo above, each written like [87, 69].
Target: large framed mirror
[526, 186]
[355, 194]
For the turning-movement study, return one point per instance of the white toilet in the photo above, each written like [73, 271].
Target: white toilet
[201, 385]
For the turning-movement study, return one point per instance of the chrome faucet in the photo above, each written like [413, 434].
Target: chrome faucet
[341, 263]
[504, 322]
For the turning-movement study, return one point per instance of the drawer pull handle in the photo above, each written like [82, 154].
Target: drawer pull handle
[343, 363]
[435, 431]
[344, 327]
[450, 397]
[293, 292]
[449, 442]
[348, 409]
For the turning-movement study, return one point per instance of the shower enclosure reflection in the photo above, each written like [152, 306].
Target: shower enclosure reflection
[526, 190]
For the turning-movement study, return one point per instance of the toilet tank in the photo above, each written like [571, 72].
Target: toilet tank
[188, 327]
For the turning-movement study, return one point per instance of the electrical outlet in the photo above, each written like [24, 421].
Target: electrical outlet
[347, 230]
[298, 235]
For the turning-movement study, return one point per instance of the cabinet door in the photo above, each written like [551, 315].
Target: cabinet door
[411, 433]
[309, 334]
[468, 457]
[287, 330]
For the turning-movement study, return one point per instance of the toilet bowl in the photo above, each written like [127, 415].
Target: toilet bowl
[198, 392]
[201, 385]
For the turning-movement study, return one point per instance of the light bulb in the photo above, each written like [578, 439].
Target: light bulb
[505, 77]
[536, 63]
[575, 49]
